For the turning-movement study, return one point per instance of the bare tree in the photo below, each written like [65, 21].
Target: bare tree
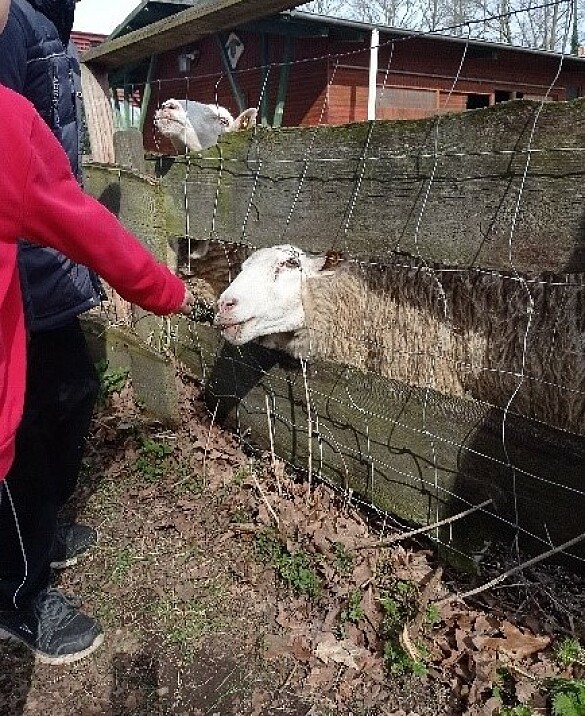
[325, 7]
[397, 13]
[541, 24]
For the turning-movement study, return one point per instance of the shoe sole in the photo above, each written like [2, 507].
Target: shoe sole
[71, 562]
[43, 658]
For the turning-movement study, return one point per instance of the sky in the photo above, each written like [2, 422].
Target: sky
[102, 16]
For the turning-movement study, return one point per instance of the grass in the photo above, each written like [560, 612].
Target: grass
[184, 623]
[399, 606]
[124, 561]
[295, 569]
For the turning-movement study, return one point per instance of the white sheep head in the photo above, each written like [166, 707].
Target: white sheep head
[193, 126]
[266, 297]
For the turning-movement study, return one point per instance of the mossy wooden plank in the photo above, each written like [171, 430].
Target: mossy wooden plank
[501, 196]
[138, 201]
[412, 452]
[153, 376]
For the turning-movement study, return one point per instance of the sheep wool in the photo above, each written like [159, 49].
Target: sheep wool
[503, 340]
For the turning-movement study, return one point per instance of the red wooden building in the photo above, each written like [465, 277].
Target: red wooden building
[305, 69]
[84, 41]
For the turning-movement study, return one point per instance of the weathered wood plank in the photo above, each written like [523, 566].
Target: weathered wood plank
[98, 113]
[480, 211]
[206, 18]
[129, 151]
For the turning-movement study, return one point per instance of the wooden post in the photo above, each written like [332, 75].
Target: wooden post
[264, 99]
[147, 94]
[283, 83]
[98, 112]
[128, 149]
[236, 89]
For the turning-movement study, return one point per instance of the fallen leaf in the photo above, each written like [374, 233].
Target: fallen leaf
[341, 652]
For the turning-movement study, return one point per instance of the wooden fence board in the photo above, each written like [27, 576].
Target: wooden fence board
[469, 218]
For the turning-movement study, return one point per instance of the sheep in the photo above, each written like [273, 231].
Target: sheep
[458, 332]
[193, 126]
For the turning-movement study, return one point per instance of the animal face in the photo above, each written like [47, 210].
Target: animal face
[196, 126]
[266, 296]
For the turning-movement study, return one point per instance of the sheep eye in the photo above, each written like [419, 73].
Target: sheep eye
[225, 121]
[292, 263]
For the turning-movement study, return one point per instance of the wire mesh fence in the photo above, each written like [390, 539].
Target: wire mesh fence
[445, 384]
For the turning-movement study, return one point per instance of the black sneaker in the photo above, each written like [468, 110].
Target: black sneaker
[53, 628]
[70, 542]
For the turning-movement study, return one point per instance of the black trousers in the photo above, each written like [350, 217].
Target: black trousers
[61, 391]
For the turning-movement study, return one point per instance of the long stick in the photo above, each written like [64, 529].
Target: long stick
[207, 445]
[514, 570]
[421, 530]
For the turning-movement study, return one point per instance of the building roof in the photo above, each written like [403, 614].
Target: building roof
[157, 26]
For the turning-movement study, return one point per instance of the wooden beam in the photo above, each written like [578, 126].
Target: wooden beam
[147, 91]
[283, 83]
[206, 18]
[236, 89]
[264, 98]
[98, 113]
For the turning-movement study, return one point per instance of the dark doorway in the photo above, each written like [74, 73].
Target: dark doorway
[502, 96]
[477, 101]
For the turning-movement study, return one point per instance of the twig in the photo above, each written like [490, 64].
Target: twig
[425, 598]
[207, 445]
[421, 530]
[263, 496]
[513, 570]
[310, 427]
[289, 677]
[272, 453]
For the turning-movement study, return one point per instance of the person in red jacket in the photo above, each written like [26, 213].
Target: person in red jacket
[42, 201]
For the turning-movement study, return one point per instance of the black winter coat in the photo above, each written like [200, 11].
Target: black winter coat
[38, 61]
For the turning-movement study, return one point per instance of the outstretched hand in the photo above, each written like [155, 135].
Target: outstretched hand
[188, 303]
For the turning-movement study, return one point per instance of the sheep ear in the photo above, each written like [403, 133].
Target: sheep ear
[320, 265]
[246, 120]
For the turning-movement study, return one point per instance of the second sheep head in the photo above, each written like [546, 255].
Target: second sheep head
[193, 126]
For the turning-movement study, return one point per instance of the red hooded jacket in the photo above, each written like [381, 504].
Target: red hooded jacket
[40, 200]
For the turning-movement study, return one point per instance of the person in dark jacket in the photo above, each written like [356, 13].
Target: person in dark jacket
[38, 60]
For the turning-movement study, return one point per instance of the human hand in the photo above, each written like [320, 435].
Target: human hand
[188, 303]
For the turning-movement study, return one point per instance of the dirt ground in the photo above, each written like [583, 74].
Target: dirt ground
[227, 586]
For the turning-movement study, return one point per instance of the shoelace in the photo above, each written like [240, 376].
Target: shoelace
[54, 610]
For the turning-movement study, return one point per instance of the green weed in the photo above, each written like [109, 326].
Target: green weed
[295, 569]
[110, 381]
[343, 558]
[399, 605]
[570, 652]
[399, 663]
[567, 697]
[151, 462]
[516, 711]
[354, 612]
